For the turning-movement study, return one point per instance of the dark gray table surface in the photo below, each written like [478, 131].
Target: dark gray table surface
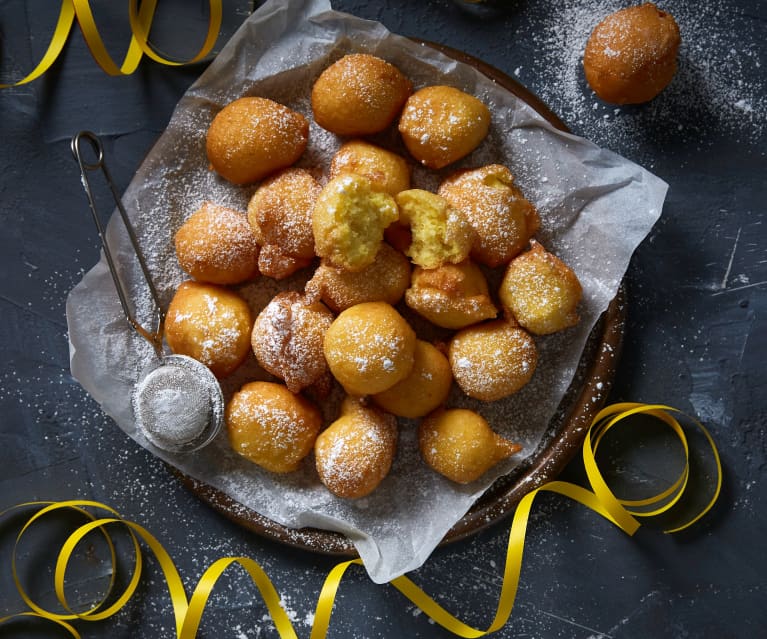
[695, 336]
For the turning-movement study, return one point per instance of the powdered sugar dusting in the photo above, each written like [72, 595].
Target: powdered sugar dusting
[287, 339]
[175, 179]
[709, 95]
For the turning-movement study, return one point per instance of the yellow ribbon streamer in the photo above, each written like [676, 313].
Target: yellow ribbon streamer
[188, 612]
[140, 21]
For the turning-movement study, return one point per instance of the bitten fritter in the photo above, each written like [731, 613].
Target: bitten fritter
[287, 339]
[253, 137]
[541, 291]
[631, 55]
[216, 244]
[459, 444]
[439, 233]
[355, 453]
[349, 220]
[280, 213]
[441, 124]
[211, 324]
[493, 360]
[502, 219]
[359, 94]
[451, 296]
[272, 427]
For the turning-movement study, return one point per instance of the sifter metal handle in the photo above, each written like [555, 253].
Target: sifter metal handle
[154, 337]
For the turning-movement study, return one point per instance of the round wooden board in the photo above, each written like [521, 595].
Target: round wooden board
[584, 398]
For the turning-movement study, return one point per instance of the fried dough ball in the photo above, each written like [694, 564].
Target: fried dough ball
[442, 124]
[210, 323]
[426, 388]
[459, 444]
[359, 94]
[216, 244]
[349, 220]
[253, 137]
[272, 427]
[272, 262]
[287, 339]
[387, 171]
[280, 213]
[451, 296]
[385, 280]
[439, 232]
[502, 219]
[631, 55]
[369, 348]
[541, 291]
[355, 453]
[493, 360]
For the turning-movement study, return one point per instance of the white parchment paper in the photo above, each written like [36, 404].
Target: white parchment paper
[596, 208]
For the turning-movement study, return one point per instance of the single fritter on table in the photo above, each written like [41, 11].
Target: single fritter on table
[631, 55]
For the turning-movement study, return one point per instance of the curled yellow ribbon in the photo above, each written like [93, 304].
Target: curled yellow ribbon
[140, 22]
[188, 611]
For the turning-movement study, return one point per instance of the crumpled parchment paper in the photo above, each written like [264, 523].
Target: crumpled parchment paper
[596, 208]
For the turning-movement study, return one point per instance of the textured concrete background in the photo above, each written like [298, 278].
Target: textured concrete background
[695, 336]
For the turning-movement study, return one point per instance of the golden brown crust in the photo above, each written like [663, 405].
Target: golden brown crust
[541, 291]
[210, 323]
[280, 213]
[355, 453]
[385, 280]
[253, 137]
[452, 296]
[359, 94]
[493, 360]
[459, 444]
[630, 56]
[387, 171]
[424, 389]
[287, 339]
[272, 262]
[272, 427]
[369, 348]
[216, 244]
[441, 124]
[502, 219]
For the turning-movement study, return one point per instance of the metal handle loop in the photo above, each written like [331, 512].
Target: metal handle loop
[154, 337]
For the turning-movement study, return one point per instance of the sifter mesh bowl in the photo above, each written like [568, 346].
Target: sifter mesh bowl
[178, 404]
